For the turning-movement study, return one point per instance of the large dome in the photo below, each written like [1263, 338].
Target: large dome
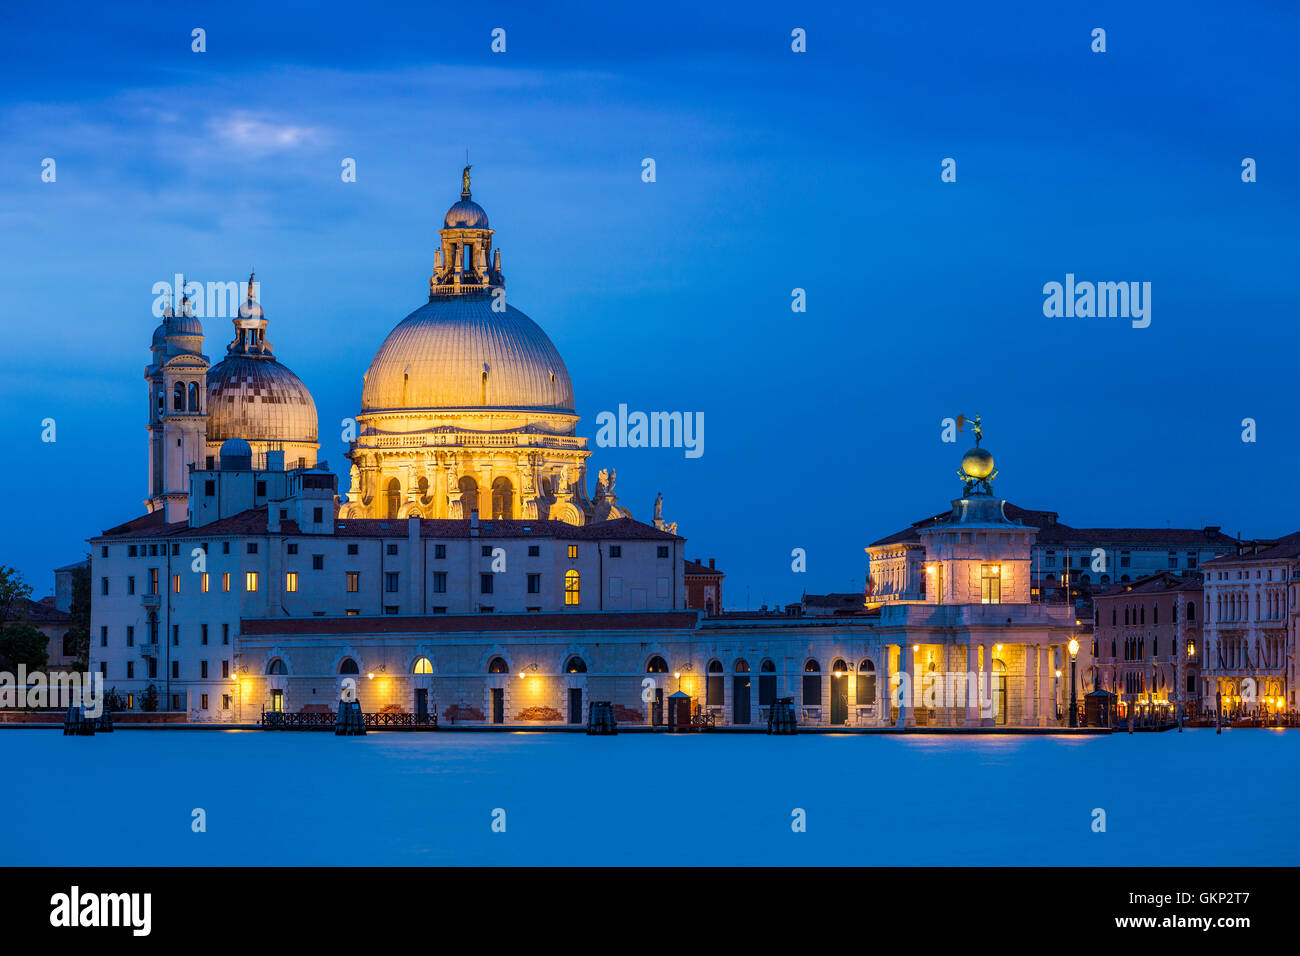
[456, 352]
[258, 399]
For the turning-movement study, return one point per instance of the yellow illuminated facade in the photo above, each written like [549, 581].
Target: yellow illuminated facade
[467, 406]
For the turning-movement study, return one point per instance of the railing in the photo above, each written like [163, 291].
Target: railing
[276, 720]
[149, 650]
[429, 720]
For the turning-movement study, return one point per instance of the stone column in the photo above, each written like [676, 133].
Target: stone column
[972, 685]
[1033, 681]
[907, 668]
[987, 682]
[882, 686]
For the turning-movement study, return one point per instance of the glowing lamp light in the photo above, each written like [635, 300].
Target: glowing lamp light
[370, 676]
[1058, 675]
[678, 675]
[915, 648]
[521, 675]
[1074, 646]
[998, 648]
[837, 673]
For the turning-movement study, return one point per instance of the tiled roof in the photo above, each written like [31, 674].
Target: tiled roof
[1285, 547]
[1052, 532]
[1158, 583]
[435, 625]
[40, 612]
[700, 568]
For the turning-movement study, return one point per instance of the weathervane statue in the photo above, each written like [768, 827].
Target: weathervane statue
[977, 471]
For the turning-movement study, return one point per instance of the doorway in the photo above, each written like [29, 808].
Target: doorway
[422, 702]
[839, 697]
[575, 705]
[498, 705]
[740, 697]
[657, 708]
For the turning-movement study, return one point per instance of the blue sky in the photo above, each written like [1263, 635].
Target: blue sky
[775, 170]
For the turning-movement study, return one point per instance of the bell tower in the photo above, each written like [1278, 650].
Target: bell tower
[177, 377]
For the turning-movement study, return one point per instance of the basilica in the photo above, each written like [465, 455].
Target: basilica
[471, 569]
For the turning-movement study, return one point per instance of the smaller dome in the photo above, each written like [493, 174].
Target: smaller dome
[159, 337]
[466, 214]
[977, 463]
[184, 325]
[236, 455]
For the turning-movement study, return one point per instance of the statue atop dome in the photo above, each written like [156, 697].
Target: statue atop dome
[464, 183]
[977, 471]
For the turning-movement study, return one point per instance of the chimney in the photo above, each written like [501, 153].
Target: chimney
[710, 564]
[473, 523]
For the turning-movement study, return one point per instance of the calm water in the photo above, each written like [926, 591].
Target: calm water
[129, 797]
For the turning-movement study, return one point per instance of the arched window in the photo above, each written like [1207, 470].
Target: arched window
[1142, 614]
[572, 587]
[468, 495]
[656, 665]
[1125, 615]
[424, 488]
[276, 667]
[1113, 612]
[766, 683]
[348, 666]
[498, 665]
[194, 397]
[867, 682]
[575, 665]
[839, 668]
[812, 684]
[741, 666]
[422, 666]
[503, 497]
[1191, 611]
[713, 690]
[1155, 613]
[178, 397]
[393, 498]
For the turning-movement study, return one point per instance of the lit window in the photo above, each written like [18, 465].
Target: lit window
[203, 583]
[354, 581]
[225, 581]
[290, 582]
[572, 587]
[176, 584]
[573, 550]
[990, 584]
[250, 581]
[423, 666]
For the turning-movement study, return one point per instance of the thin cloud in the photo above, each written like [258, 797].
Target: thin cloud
[258, 135]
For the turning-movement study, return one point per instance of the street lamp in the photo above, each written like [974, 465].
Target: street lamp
[1074, 710]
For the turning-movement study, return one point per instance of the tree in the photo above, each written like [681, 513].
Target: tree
[22, 644]
[79, 626]
[149, 699]
[13, 591]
